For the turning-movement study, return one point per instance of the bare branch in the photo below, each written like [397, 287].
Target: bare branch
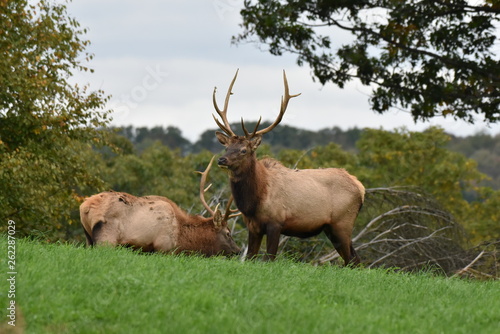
[407, 245]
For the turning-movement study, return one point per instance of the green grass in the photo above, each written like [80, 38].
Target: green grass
[70, 289]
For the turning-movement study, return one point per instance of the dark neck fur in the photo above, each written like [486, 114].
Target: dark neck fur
[248, 188]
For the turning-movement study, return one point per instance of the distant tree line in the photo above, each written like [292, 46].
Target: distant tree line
[283, 137]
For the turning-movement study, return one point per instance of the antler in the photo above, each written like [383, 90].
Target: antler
[228, 210]
[203, 190]
[284, 105]
[223, 114]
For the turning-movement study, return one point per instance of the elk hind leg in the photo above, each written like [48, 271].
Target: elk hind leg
[254, 241]
[343, 244]
[273, 239]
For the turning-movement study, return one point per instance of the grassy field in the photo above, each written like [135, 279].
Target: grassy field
[71, 289]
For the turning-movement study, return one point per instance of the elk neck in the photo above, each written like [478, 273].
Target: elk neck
[249, 185]
[196, 234]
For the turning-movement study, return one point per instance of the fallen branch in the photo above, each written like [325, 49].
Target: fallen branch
[461, 271]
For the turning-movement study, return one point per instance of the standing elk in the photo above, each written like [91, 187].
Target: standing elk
[156, 224]
[277, 200]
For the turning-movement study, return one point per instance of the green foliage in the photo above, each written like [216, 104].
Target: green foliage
[163, 172]
[327, 156]
[47, 125]
[435, 58]
[421, 159]
[68, 289]
[403, 158]
[483, 217]
[484, 149]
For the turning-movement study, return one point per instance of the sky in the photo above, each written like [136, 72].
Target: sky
[160, 61]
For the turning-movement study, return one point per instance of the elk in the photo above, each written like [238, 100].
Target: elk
[276, 200]
[156, 224]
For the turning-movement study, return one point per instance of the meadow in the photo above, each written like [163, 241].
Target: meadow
[68, 288]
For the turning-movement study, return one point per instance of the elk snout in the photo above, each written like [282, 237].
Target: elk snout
[222, 162]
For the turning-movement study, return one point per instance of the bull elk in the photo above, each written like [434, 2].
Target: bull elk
[155, 223]
[276, 200]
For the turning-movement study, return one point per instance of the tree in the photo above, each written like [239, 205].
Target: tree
[171, 136]
[47, 125]
[405, 158]
[431, 57]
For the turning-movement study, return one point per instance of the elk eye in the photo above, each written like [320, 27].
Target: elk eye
[244, 151]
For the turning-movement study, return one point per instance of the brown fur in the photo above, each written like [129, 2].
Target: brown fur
[199, 236]
[277, 200]
[152, 223]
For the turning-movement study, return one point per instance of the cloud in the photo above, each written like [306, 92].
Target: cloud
[187, 44]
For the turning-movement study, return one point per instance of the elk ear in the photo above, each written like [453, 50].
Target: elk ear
[255, 142]
[218, 220]
[223, 139]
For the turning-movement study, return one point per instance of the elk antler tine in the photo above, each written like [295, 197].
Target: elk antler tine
[284, 100]
[222, 127]
[244, 128]
[284, 104]
[285, 81]
[228, 207]
[256, 127]
[229, 91]
[223, 114]
[286, 87]
[203, 180]
[227, 215]
[214, 100]
[247, 134]
[235, 215]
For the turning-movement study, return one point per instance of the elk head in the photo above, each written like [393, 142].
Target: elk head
[240, 147]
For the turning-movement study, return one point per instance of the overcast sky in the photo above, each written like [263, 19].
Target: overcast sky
[160, 61]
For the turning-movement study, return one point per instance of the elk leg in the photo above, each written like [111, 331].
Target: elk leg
[355, 260]
[272, 242]
[90, 242]
[343, 245]
[103, 236]
[254, 241]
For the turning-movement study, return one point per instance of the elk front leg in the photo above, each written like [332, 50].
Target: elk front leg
[90, 242]
[273, 240]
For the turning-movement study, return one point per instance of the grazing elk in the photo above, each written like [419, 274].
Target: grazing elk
[277, 200]
[156, 224]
